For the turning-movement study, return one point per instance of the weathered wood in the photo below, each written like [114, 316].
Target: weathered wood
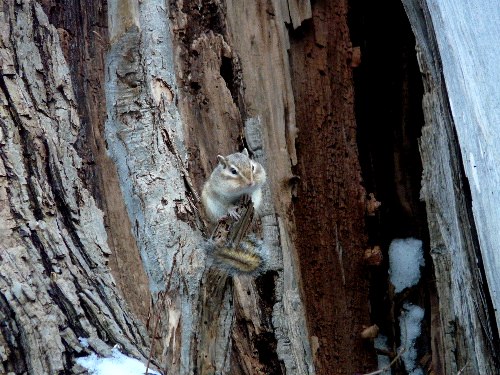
[467, 41]
[459, 192]
[300, 10]
[185, 81]
[329, 208]
[82, 29]
[55, 285]
[218, 57]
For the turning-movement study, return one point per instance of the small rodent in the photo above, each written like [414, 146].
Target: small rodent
[235, 176]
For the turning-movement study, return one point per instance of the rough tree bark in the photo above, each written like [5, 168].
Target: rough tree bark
[165, 86]
[55, 283]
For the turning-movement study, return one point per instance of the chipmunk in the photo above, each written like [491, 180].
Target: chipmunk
[235, 176]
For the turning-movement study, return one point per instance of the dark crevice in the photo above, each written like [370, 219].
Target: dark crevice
[15, 357]
[26, 141]
[266, 342]
[388, 105]
[227, 73]
[266, 284]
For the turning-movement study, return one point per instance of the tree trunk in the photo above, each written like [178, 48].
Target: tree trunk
[112, 115]
[55, 282]
[460, 177]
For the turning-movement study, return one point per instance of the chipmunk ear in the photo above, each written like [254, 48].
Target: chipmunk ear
[222, 160]
[245, 152]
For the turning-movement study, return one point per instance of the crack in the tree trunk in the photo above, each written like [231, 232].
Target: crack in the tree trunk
[12, 337]
[26, 145]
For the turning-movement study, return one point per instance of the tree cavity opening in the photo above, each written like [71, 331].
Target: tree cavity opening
[388, 107]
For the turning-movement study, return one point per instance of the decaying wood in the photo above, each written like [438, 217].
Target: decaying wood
[464, 327]
[329, 208]
[54, 282]
[229, 97]
[185, 81]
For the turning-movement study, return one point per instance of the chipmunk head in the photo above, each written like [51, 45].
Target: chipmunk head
[240, 173]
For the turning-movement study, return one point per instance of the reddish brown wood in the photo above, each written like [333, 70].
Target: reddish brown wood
[329, 209]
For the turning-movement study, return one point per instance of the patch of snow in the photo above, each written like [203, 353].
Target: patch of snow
[383, 360]
[84, 342]
[405, 259]
[410, 325]
[117, 364]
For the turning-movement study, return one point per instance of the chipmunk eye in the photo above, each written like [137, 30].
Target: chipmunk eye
[234, 171]
[253, 167]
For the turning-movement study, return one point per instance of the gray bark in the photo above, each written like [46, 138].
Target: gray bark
[54, 281]
[454, 48]
[55, 285]
[147, 139]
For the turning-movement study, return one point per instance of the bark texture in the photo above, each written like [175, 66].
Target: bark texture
[465, 334]
[185, 81]
[83, 34]
[329, 208]
[55, 284]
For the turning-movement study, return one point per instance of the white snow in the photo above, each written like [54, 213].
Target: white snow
[405, 259]
[117, 364]
[84, 342]
[383, 360]
[409, 325]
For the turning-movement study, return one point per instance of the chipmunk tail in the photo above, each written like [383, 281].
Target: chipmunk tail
[237, 261]
[243, 259]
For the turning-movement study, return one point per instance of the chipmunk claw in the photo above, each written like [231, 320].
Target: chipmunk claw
[232, 212]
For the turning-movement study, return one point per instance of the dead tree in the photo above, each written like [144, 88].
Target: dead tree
[111, 117]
